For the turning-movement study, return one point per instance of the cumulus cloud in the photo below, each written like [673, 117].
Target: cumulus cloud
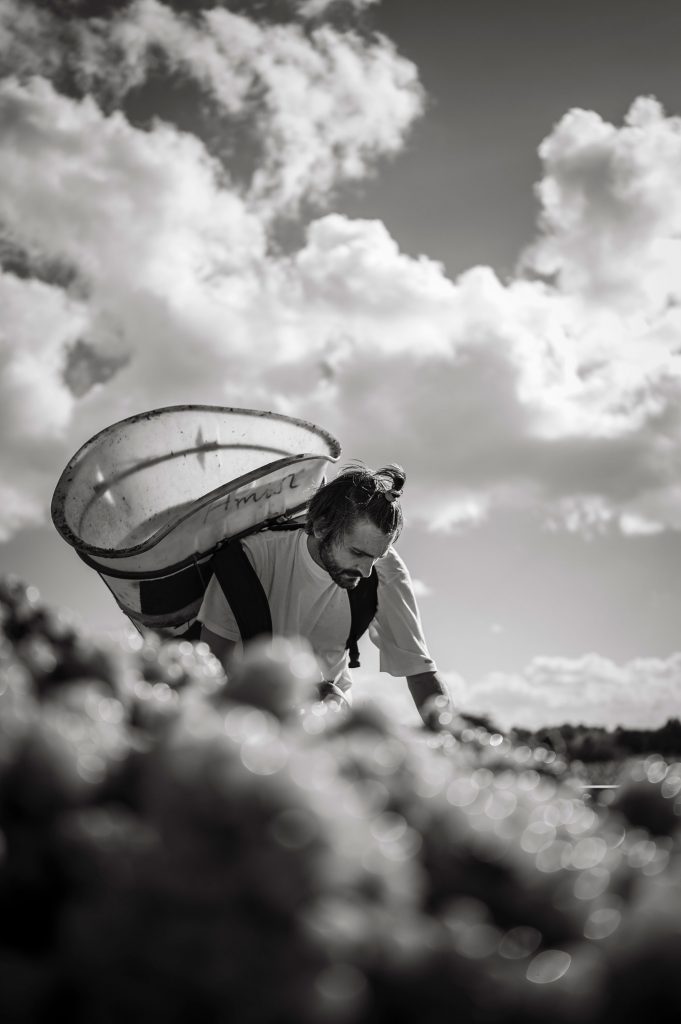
[165, 258]
[328, 104]
[611, 207]
[160, 280]
[102, 195]
[37, 323]
[590, 690]
[320, 105]
[161, 259]
[560, 388]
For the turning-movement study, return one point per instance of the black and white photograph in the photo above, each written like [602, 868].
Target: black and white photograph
[340, 511]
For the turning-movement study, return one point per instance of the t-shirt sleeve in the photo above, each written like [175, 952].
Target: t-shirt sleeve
[396, 628]
[215, 612]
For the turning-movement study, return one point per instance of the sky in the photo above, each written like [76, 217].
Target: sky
[449, 234]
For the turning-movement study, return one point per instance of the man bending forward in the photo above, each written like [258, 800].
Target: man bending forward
[352, 524]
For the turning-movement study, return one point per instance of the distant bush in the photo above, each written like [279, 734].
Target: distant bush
[173, 853]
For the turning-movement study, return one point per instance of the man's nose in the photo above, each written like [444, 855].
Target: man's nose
[365, 567]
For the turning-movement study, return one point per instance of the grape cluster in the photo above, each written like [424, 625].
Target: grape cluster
[175, 845]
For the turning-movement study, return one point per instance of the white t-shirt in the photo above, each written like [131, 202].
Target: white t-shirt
[304, 601]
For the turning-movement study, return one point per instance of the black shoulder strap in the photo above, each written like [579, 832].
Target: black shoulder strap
[250, 607]
[291, 524]
[363, 605]
[243, 590]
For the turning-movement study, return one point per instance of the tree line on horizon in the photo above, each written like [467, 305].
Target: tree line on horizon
[597, 743]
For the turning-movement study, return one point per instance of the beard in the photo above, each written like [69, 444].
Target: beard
[347, 579]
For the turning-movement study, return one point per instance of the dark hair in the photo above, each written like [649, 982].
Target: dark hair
[358, 492]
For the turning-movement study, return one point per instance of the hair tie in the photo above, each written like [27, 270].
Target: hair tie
[392, 496]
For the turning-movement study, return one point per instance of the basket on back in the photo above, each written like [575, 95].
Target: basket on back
[148, 500]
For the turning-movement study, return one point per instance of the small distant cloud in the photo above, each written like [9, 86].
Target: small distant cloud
[420, 588]
[591, 516]
[316, 8]
[638, 526]
[587, 514]
[460, 515]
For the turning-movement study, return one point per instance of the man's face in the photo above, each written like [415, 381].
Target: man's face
[351, 556]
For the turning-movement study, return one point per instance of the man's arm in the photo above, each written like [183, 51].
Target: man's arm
[423, 687]
[220, 647]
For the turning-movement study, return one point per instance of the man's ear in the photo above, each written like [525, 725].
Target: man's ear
[319, 529]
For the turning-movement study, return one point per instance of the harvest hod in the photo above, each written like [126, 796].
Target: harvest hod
[148, 501]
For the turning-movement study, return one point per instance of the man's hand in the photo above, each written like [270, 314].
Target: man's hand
[331, 694]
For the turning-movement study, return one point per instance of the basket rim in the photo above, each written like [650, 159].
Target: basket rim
[69, 472]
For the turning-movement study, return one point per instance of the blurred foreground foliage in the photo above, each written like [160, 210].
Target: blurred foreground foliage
[177, 847]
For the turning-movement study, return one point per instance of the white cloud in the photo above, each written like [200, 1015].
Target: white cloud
[28, 42]
[317, 8]
[178, 297]
[37, 324]
[115, 202]
[611, 207]
[420, 588]
[329, 105]
[460, 514]
[587, 514]
[570, 389]
[356, 266]
[634, 525]
[38, 321]
[544, 394]
[590, 690]
[165, 260]
[322, 104]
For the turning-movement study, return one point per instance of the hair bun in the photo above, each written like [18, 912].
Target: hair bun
[392, 495]
[392, 479]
